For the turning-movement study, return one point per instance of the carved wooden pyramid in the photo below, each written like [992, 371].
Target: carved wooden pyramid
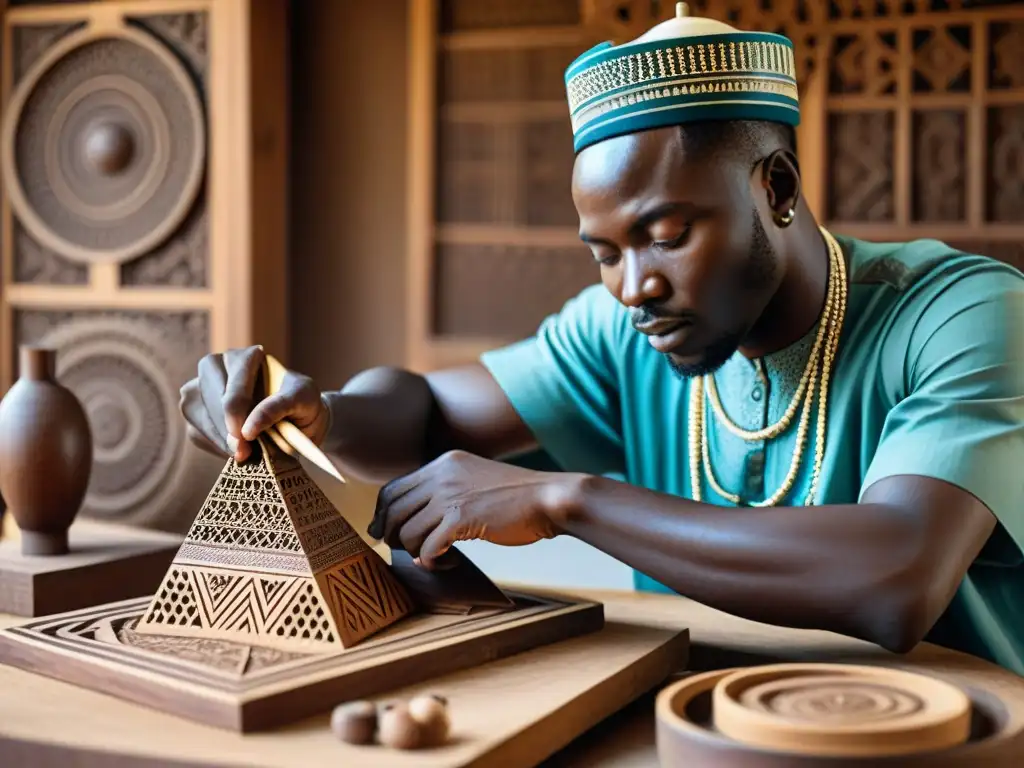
[269, 561]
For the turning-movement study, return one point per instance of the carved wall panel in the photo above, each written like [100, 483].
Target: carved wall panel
[922, 112]
[133, 204]
[860, 162]
[126, 368]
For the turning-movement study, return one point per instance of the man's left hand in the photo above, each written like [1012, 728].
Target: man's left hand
[459, 497]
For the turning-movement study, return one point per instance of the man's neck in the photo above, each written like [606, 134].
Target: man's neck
[797, 305]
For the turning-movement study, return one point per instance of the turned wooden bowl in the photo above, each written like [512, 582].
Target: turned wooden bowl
[834, 715]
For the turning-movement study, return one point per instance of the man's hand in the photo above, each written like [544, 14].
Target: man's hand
[459, 497]
[219, 404]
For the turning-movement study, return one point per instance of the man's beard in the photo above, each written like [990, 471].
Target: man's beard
[757, 273]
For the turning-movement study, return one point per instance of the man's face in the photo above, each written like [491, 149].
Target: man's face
[680, 242]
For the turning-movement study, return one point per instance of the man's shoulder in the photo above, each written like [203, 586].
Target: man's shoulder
[592, 317]
[905, 266]
[919, 275]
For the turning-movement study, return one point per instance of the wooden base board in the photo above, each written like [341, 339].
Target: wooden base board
[519, 710]
[106, 563]
[247, 688]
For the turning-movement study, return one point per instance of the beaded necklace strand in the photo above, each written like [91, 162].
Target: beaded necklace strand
[822, 357]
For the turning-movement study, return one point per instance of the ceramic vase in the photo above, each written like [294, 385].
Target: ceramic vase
[45, 454]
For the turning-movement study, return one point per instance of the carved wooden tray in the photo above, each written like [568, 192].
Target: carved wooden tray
[248, 688]
[799, 715]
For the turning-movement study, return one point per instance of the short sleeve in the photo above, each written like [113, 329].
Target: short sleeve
[961, 418]
[563, 382]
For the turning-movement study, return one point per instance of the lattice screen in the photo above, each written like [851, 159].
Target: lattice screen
[926, 130]
[919, 105]
[504, 147]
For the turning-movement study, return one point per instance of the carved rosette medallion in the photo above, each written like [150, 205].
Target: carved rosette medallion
[124, 371]
[103, 145]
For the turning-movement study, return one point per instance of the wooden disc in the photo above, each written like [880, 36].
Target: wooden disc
[840, 710]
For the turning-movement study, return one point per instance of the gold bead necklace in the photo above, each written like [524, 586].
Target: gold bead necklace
[822, 357]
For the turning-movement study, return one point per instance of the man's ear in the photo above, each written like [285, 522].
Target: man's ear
[780, 177]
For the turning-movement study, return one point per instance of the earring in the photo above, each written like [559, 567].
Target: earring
[785, 219]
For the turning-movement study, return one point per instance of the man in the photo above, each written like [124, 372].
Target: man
[792, 427]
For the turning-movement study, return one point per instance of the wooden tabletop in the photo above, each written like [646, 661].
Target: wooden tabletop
[721, 641]
[41, 710]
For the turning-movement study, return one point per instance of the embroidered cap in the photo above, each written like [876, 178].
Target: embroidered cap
[683, 70]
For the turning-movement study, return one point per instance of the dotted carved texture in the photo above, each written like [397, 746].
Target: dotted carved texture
[505, 292]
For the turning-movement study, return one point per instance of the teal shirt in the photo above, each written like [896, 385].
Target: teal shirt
[929, 380]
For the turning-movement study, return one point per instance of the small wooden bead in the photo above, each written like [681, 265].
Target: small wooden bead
[431, 713]
[355, 722]
[398, 729]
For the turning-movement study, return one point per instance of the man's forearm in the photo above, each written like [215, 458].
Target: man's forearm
[855, 570]
[380, 423]
[387, 422]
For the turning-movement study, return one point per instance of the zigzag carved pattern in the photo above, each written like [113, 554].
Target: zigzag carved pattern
[365, 597]
[242, 604]
[249, 605]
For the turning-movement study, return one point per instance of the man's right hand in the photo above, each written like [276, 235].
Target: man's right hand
[222, 412]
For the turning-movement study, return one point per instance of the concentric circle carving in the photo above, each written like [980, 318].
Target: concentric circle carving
[791, 713]
[104, 145]
[842, 710]
[827, 700]
[124, 374]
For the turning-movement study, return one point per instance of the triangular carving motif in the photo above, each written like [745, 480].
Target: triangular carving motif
[269, 561]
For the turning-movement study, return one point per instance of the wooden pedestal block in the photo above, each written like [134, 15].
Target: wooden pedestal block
[106, 563]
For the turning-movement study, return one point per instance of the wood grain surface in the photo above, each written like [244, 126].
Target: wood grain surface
[106, 562]
[513, 711]
[248, 688]
[592, 679]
